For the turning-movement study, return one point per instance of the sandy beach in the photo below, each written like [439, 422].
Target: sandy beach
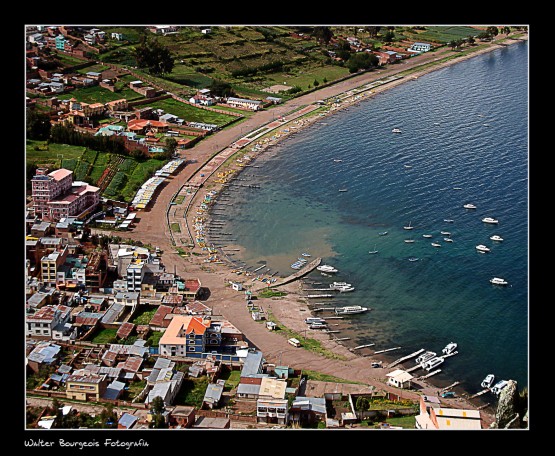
[291, 310]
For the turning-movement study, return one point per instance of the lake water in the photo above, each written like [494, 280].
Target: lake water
[464, 140]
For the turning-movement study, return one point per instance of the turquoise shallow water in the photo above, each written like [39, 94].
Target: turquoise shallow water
[464, 139]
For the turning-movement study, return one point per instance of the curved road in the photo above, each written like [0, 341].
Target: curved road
[152, 229]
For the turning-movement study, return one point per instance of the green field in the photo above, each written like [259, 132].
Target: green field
[104, 336]
[88, 165]
[190, 113]
[441, 34]
[93, 68]
[97, 94]
[53, 155]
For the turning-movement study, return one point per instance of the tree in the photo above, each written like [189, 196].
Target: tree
[323, 34]
[506, 30]
[220, 88]
[108, 418]
[153, 56]
[492, 31]
[157, 405]
[362, 61]
[316, 83]
[38, 125]
[362, 404]
[158, 408]
[470, 40]
[373, 31]
[171, 147]
[389, 36]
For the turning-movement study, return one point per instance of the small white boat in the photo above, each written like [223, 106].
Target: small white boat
[435, 244]
[346, 289]
[306, 255]
[326, 268]
[482, 248]
[310, 320]
[488, 381]
[318, 325]
[469, 206]
[408, 166]
[496, 237]
[336, 160]
[342, 189]
[500, 385]
[396, 130]
[490, 220]
[373, 251]
[431, 363]
[445, 233]
[409, 241]
[446, 239]
[408, 227]
[338, 285]
[448, 220]
[427, 355]
[498, 281]
[412, 259]
[427, 235]
[449, 348]
[347, 310]
[382, 233]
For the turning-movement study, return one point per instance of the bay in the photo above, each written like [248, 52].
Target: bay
[464, 140]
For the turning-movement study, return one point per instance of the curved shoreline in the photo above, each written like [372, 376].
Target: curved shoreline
[289, 311]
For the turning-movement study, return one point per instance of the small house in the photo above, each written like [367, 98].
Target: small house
[399, 378]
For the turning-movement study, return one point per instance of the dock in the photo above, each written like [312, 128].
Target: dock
[404, 358]
[418, 366]
[342, 338]
[430, 374]
[450, 386]
[386, 350]
[319, 296]
[362, 346]
[484, 391]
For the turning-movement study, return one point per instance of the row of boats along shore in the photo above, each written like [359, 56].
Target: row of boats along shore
[448, 239]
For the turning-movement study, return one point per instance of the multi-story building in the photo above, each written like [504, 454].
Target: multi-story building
[44, 321]
[50, 264]
[188, 336]
[56, 196]
[135, 274]
[86, 386]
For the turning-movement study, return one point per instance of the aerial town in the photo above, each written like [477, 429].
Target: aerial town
[126, 331]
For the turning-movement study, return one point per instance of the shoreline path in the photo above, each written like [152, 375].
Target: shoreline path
[153, 229]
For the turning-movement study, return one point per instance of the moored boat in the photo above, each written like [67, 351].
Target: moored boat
[482, 248]
[488, 381]
[326, 268]
[469, 206]
[348, 310]
[427, 235]
[396, 130]
[498, 281]
[431, 363]
[496, 237]
[449, 348]
[435, 244]
[490, 220]
[425, 357]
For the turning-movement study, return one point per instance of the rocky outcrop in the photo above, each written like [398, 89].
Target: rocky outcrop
[506, 416]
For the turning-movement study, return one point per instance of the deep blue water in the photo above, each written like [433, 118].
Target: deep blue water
[464, 139]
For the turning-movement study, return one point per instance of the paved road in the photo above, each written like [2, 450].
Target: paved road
[152, 229]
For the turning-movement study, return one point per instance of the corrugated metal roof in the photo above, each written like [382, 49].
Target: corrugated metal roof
[244, 388]
[127, 420]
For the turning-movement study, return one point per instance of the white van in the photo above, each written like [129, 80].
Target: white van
[294, 342]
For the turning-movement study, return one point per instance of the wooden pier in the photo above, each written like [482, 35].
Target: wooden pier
[429, 375]
[450, 386]
[362, 346]
[418, 366]
[319, 296]
[386, 350]
[404, 358]
[484, 391]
